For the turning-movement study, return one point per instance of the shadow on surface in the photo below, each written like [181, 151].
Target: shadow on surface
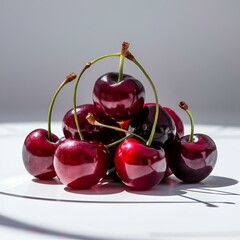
[170, 187]
[173, 186]
[54, 181]
[20, 225]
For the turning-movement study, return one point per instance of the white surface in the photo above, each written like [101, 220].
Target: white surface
[31, 209]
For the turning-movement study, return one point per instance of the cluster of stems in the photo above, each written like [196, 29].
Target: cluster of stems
[125, 53]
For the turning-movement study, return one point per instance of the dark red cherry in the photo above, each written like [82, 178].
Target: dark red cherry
[118, 100]
[139, 166]
[192, 157]
[142, 123]
[38, 153]
[90, 132]
[81, 164]
[193, 161]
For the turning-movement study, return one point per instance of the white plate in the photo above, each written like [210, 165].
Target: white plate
[33, 209]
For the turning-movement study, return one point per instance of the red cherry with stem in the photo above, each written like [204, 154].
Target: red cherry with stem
[193, 156]
[38, 152]
[117, 95]
[139, 165]
[39, 146]
[81, 164]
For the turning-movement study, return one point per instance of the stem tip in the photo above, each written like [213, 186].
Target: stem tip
[124, 50]
[90, 118]
[70, 77]
[183, 105]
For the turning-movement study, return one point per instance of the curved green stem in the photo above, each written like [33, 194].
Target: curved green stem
[118, 141]
[132, 58]
[76, 87]
[185, 107]
[68, 79]
[90, 118]
[120, 71]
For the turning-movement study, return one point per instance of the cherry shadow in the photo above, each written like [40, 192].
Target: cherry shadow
[173, 186]
[54, 181]
[100, 189]
[169, 187]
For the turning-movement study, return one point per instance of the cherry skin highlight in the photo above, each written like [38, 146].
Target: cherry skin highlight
[81, 164]
[118, 100]
[193, 161]
[38, 153]
[139, 166]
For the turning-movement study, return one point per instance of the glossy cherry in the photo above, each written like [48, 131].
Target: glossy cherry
[38, 152]
[139, 166]
[142, 123]
[193, 156]
[39, 146]
[89, 132]
[81, 164]
[118, 100]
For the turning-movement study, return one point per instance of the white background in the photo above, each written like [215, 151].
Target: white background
[191, 49]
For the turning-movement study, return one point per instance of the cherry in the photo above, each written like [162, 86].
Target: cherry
[118, 96]
[81, 164]
[142, 123]
[90, 132]
[38, 152]
[139, 166]
[39, 146]
[193, 156]
[177, 120]
[118, 100]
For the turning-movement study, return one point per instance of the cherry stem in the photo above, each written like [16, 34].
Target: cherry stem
[185, 107]
[68, 79]
[87, 65]
[118, 141]
[133, 59]
[124, 50]
[90, 118]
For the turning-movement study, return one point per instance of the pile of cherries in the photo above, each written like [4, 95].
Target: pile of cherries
[119, 137]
